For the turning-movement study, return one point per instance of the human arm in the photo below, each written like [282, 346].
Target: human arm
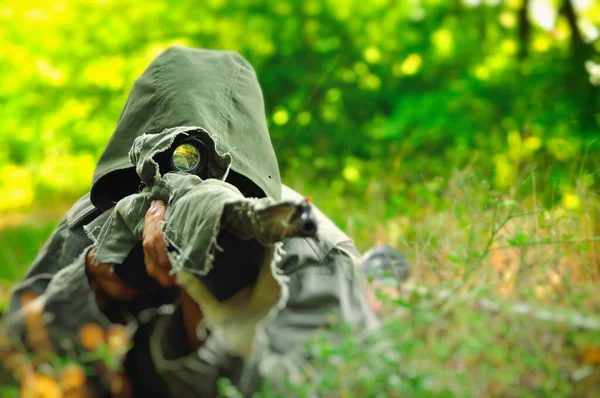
[53, 301]
[324, 290]
[321, 286]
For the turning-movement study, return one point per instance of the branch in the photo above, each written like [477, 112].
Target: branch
[568, 318]
[524, 30]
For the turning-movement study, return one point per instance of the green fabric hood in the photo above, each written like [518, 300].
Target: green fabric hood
[215, 90]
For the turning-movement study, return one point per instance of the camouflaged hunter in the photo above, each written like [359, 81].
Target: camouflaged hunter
[256, 327]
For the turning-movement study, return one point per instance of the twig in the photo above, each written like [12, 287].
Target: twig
[572, 319]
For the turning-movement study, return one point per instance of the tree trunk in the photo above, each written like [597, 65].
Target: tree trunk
[524, 30]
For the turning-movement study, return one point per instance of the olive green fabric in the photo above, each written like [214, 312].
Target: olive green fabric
[320, 274]
[216, 96]
[216, 90]
[323, 283]
[197, 212]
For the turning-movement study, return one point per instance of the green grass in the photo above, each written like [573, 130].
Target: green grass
[503, 299]
[19, 246]
[509, 298]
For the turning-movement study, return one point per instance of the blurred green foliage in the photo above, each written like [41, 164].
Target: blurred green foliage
[373, 106]
[398, 91]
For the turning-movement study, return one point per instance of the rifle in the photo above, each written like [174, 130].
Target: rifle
[244, 228]
[272, 224]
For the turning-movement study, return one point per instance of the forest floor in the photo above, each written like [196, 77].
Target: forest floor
[503, 297]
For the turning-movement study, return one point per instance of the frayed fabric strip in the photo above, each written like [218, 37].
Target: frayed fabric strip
[146, 147]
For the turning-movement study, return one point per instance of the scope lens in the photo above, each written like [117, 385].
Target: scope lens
[186, 157]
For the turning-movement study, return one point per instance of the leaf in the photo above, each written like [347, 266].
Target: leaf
[591, 356]
[454, 257]
[509, 204]
[91, 336]
[403, 303]
[520, 239]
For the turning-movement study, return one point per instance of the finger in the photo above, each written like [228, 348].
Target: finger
[160, 247]
[163, 277]
[155, 206]
[160, 274]
[149, 224]
[151, 211]
[166, 280]
[151, 269]
[150, 254]
[152, 234]
[157, 262]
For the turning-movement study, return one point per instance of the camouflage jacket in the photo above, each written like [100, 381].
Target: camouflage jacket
[219, 92]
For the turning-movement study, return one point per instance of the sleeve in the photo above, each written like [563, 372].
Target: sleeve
[322, 292]
[58, 279]
[188, 374]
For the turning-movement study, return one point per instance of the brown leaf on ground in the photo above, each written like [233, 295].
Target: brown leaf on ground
[36, 385]
[121, 386]
[35, 325]
[117, 339]
[591, 356]
[91, 336]
[72, 377]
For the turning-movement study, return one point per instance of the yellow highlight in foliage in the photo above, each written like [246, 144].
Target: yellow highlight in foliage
[514, 4]
[514, 145]
[16, 188]
[281, 117]
[6, 13]
[333, 94]
[107, 73]
[532, 144]
[361, 69]
[282, 8]
[342, 10]
[562, 30]
[67, 173]
[312, 7]
[371, 81]
[541, 44]
[505, 171]
[508, 19]
[443, 41]
[410, 66]
[351, 174]
[263, 45]
[561, 149]
[49, 72]
[571, 202]
[372, 54]
[482, 72]
[509, 46]
[40, 386]
[329, 113]
[216, 4]
[519, 149]
[304, 118]
[348, 75]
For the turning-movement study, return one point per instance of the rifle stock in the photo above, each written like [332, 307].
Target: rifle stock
[242, 231]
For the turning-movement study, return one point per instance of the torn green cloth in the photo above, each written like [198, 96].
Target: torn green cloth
[217, 91]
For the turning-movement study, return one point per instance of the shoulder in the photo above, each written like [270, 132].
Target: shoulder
[81, 212]
[76, 239]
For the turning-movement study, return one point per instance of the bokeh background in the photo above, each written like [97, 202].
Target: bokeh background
[409, 122]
